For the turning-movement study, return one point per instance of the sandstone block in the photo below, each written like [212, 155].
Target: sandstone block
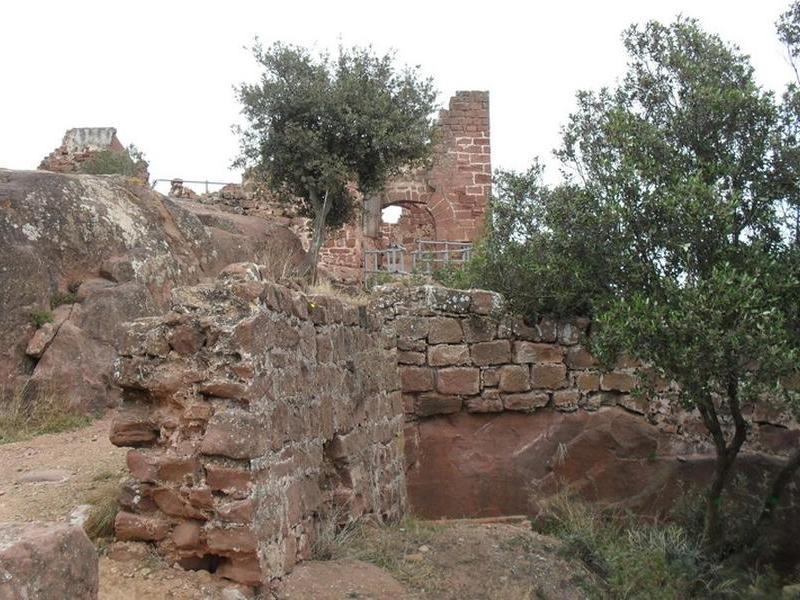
[446, 355]
[496, 352]
[129, 526]
[525, 401]
[407, 357]
[617, 381]
[458, 380]
[414, 328]
[478, 329]
[515, 378]
[531, 352]
[236, 434]
[47, 561]
[186, 535]
[579, 358]
[444, 330]
[133, 428]
[548, 376]
[416, 379]
[566, 400]
[229, 480]
[234, 540]
[588, 381]
[429, 404]
[488, 401]
[490, 376]
[485, 303]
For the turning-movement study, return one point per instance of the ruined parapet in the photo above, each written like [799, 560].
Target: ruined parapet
[81, 144]
[501, 412]
[255, 413]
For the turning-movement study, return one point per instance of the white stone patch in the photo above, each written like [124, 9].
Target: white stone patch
[120, 212]
[31, 232]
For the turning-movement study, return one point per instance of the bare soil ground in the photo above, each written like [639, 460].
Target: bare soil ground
[465, 561]
[46, 478]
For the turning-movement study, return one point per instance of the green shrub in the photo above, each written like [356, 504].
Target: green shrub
[60, 298]
[114, 162]
[640, 558]
[40, 317]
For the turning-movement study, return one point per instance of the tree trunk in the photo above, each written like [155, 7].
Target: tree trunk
[321, 210]
[782, 478]
[726, 457]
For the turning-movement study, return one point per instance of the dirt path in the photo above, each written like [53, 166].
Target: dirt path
[48, 477]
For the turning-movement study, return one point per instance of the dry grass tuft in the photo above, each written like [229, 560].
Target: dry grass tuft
[26, 413]
[393, 547]
[325, 288]
[105, 506]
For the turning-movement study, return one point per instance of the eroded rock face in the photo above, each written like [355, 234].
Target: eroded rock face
[109, 250]
[46, 561]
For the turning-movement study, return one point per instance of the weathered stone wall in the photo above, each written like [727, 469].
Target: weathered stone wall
[80, 145]
[500, 414]
[453, 193]
[254, 413]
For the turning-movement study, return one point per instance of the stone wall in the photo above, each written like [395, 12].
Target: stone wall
[446, 201]
[254, 414]
[80, 145]
[501, 413]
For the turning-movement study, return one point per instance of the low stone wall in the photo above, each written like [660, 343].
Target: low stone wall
[501, 413]
[256, 413]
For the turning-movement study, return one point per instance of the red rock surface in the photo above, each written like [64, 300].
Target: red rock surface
[110, 250]
[46, 561]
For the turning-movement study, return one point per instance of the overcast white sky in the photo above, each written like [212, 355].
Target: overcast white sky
[162, 72]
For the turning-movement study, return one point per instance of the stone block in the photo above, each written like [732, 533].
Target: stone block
[525, 401]
[407, 357]
[429, 404]
[566, 400]
[515, 378]
[458, 380]
[448, 354]
[496, 352]
[236, 434]
[549, 377]
[617, 381]
[416, 379]
[489, 401]
[478, 329]
[532, 352]
[588, 381]
[445, 330]
[47, 561]
[490, 376]
[579, 358]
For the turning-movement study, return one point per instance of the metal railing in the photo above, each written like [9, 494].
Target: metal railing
[182, 181]
[429, 256]
[390, 260]
[432, 255]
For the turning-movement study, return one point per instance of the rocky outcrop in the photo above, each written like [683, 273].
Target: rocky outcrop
[256, 415]
[92, 252]
[46, 561]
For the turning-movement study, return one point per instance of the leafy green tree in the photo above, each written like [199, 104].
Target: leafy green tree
[671, 231]
[321, 130]
[684, 155]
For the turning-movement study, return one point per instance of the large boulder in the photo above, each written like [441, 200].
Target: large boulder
[108, 250]
[46, 561]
